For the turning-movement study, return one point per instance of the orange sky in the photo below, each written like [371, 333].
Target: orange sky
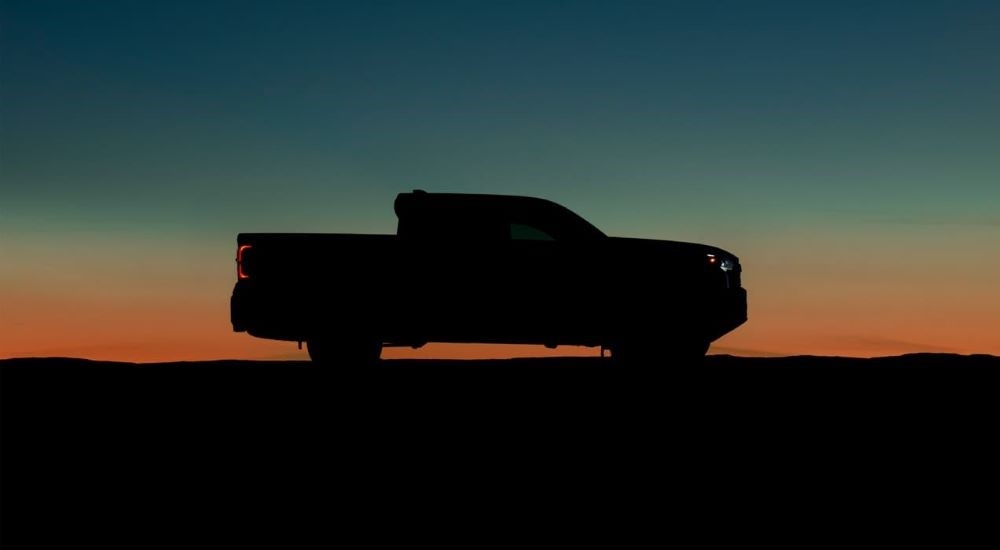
[142, 299]
[845, 151]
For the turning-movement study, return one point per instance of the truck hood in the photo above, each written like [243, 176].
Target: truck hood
[659, 247]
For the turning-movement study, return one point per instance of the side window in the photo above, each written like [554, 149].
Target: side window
[522, 232]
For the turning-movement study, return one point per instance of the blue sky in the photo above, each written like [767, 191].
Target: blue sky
[770, 128]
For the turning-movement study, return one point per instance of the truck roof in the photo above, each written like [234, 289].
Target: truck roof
[431, 207]
[407, 203]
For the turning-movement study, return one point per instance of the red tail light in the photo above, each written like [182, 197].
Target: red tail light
[239, 261]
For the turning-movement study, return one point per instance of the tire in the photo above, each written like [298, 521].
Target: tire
[641, 354]
[353, 353]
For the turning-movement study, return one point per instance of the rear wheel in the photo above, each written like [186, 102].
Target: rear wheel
[348, 353]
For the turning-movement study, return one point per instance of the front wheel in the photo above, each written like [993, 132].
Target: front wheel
[650, 353]
[355, 352]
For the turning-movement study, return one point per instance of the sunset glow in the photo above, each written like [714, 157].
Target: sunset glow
[847, 153]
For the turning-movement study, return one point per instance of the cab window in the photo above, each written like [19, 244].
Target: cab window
[524, 232]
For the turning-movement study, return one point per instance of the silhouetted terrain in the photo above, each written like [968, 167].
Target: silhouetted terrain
[54, 385]
[184, 392]
[94, 450]
[713, 363]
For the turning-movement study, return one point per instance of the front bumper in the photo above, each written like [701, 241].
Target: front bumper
[725, 311]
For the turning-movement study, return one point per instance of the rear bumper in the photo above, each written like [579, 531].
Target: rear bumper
[263, 316]
[238, 311]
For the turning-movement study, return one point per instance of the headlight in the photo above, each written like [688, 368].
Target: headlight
[725, 263]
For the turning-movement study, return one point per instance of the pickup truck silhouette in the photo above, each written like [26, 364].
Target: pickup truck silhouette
[486, 269]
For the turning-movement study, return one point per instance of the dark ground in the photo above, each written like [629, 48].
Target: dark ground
[93, 450]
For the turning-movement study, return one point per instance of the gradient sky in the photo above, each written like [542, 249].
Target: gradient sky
[848, 152]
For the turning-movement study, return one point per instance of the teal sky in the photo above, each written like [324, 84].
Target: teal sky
[770, 128]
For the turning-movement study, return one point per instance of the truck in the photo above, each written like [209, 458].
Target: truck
[477, 268]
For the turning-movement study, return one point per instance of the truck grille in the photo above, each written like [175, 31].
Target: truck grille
[735, 281]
